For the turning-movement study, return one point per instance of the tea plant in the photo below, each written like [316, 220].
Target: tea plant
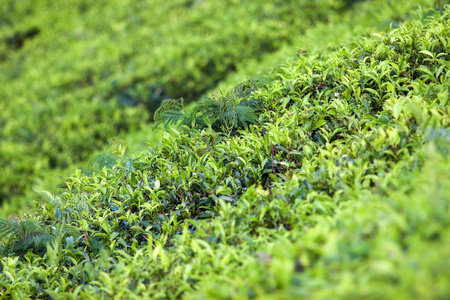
[111, 67]
[338, 189]
[95, 106]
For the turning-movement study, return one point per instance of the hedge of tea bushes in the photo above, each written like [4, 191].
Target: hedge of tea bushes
[57, 132]
[76, 74]
[339, 189]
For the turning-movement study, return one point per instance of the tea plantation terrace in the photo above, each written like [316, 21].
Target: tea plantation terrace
[329, 179]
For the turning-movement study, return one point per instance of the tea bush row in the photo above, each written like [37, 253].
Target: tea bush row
[338, 188]
[65, 125]
[74, 75]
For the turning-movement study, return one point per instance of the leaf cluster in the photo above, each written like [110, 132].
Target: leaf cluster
[225, 113]
[21, 235]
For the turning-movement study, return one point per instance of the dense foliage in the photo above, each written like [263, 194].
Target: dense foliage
[76, 74]
[335, 185]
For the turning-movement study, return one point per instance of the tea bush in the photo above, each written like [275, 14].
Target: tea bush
[111, 66]
[337, 188]
[76, 74]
